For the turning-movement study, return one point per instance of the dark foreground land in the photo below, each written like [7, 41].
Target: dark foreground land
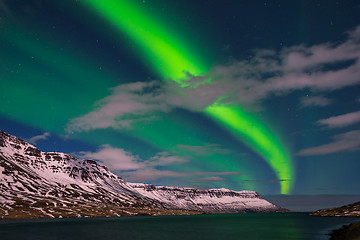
[351, 210]
[347, 232]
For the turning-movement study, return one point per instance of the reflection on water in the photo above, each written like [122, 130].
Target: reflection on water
[257, 226]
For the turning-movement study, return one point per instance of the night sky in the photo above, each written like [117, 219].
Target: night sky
[246, 95]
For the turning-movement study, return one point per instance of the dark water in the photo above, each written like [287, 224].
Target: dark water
[257, 226]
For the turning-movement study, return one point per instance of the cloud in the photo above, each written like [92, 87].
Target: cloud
[34, 139]
[346, 142]
[118, 159]
[133, 168]
[114, 158]
[320, 68]
[151, 174]
[129, 103]
[164, 158]
[319, 101]
[136, 102]
[210, 179]
[323, 67]
[267, 180]
[215, 173]
[341, 120]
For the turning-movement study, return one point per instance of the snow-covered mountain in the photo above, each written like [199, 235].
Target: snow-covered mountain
[51, 184]
[211, 200]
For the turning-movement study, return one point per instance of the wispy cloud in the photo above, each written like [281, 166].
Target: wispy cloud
[266, 180]
[119, 159]
[114, 158]
[346, 142]
[319, 101]
[164, 158]
[136, 102]
[210, 179]
[215, 173]
[320, 68]
[150, 174]
[35, 139]
[127, 104]
[341, 120]
[132, 168]
[323, 67]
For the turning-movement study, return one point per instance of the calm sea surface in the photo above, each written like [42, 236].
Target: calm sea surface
[252, 226]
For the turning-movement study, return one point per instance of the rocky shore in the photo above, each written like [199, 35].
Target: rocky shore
[351, 210]
[347, 232]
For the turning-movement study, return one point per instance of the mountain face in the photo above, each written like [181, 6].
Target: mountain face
[51, 184]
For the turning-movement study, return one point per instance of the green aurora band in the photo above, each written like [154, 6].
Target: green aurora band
[156, 42]
[172, 59]
[255, 134]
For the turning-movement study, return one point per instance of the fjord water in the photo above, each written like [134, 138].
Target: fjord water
[251, 226]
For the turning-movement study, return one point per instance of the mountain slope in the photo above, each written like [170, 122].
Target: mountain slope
[51, 184]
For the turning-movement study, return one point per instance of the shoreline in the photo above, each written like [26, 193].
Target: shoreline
[139, 213]
[90, 212]
[348, 232]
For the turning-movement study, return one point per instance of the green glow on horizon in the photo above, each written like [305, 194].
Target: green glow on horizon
[172, 59]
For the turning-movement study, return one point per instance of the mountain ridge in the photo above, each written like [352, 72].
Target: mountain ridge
[52, 184]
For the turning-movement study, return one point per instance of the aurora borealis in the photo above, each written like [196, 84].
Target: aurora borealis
[235, 95]
[173, 61]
